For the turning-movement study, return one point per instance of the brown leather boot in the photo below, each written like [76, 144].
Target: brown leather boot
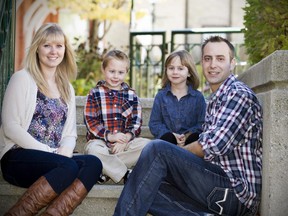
[68, 200]
[36, 197]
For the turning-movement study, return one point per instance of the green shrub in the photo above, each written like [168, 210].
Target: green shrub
[266, 28]
[89, 67]
[82, 86]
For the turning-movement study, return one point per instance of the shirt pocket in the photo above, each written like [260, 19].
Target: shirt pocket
[127, 108]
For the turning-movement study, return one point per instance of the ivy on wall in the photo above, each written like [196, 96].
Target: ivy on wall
[266, 28]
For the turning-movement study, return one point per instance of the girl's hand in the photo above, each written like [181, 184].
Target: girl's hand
[180, 138]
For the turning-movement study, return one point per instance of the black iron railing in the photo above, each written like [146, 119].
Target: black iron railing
[147, 61]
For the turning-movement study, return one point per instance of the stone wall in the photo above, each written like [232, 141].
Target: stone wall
[269, 80]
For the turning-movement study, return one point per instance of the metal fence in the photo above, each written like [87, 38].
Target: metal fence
[147, 58]
[7, 38]
[148, 51]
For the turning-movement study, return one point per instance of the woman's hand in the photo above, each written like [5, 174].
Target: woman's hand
[65, 152]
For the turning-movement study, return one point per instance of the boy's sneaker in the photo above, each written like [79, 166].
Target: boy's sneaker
[102, 179]
[127, 174]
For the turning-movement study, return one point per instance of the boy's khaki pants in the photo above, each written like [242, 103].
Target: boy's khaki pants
[115, 165]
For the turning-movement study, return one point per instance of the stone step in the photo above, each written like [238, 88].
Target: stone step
[101, 200]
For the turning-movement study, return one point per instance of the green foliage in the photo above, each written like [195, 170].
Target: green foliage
[266, 28]
[88, 60]
[101, 10]
[89, 67]
[83, 86]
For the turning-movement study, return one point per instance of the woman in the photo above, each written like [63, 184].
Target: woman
[39, 130]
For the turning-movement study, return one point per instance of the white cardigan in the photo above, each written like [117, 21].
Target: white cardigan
[19, 104]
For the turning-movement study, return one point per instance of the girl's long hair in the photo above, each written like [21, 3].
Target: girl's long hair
[66, 71]
[187, 60]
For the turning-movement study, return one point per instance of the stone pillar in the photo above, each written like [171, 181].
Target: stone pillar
[269, 80]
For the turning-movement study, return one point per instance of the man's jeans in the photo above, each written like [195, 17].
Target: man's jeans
[168, 180]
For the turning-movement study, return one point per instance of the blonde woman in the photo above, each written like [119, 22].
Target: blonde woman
[39, 130]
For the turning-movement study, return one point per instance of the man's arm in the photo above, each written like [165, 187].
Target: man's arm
[195, 148]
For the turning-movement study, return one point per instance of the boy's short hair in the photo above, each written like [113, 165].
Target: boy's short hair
[115, 54]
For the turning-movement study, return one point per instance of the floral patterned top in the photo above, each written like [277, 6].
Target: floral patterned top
[48, 120]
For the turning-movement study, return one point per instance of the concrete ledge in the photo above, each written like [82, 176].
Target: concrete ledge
[269, 79]
[270, 73]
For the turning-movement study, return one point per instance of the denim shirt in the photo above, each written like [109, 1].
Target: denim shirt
[178, 116]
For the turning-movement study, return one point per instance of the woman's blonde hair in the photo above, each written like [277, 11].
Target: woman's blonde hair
[187, 60]
[66, 71]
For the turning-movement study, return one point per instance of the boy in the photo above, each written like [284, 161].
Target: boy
[113, 117]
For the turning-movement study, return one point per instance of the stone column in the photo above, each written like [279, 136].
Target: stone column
[269, 80]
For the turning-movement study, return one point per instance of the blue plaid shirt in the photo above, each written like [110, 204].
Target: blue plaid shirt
[232, 138]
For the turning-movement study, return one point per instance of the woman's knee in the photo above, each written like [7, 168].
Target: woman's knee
[90, 170]
[93, 162]
[63, 175]
[66, 169]
[90, 166]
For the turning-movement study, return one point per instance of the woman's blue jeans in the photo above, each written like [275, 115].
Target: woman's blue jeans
[168, 180]
[22, 167]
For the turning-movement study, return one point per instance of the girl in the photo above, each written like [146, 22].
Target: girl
[179, 108]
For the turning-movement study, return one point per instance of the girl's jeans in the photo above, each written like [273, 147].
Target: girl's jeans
[168, 180]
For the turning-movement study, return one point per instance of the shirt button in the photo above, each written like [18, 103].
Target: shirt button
[115, 105]
[115, 118]
[115, 131]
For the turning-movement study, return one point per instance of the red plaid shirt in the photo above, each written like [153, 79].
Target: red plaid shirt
[109, 111]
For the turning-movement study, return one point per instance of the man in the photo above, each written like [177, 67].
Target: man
[220, 174]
